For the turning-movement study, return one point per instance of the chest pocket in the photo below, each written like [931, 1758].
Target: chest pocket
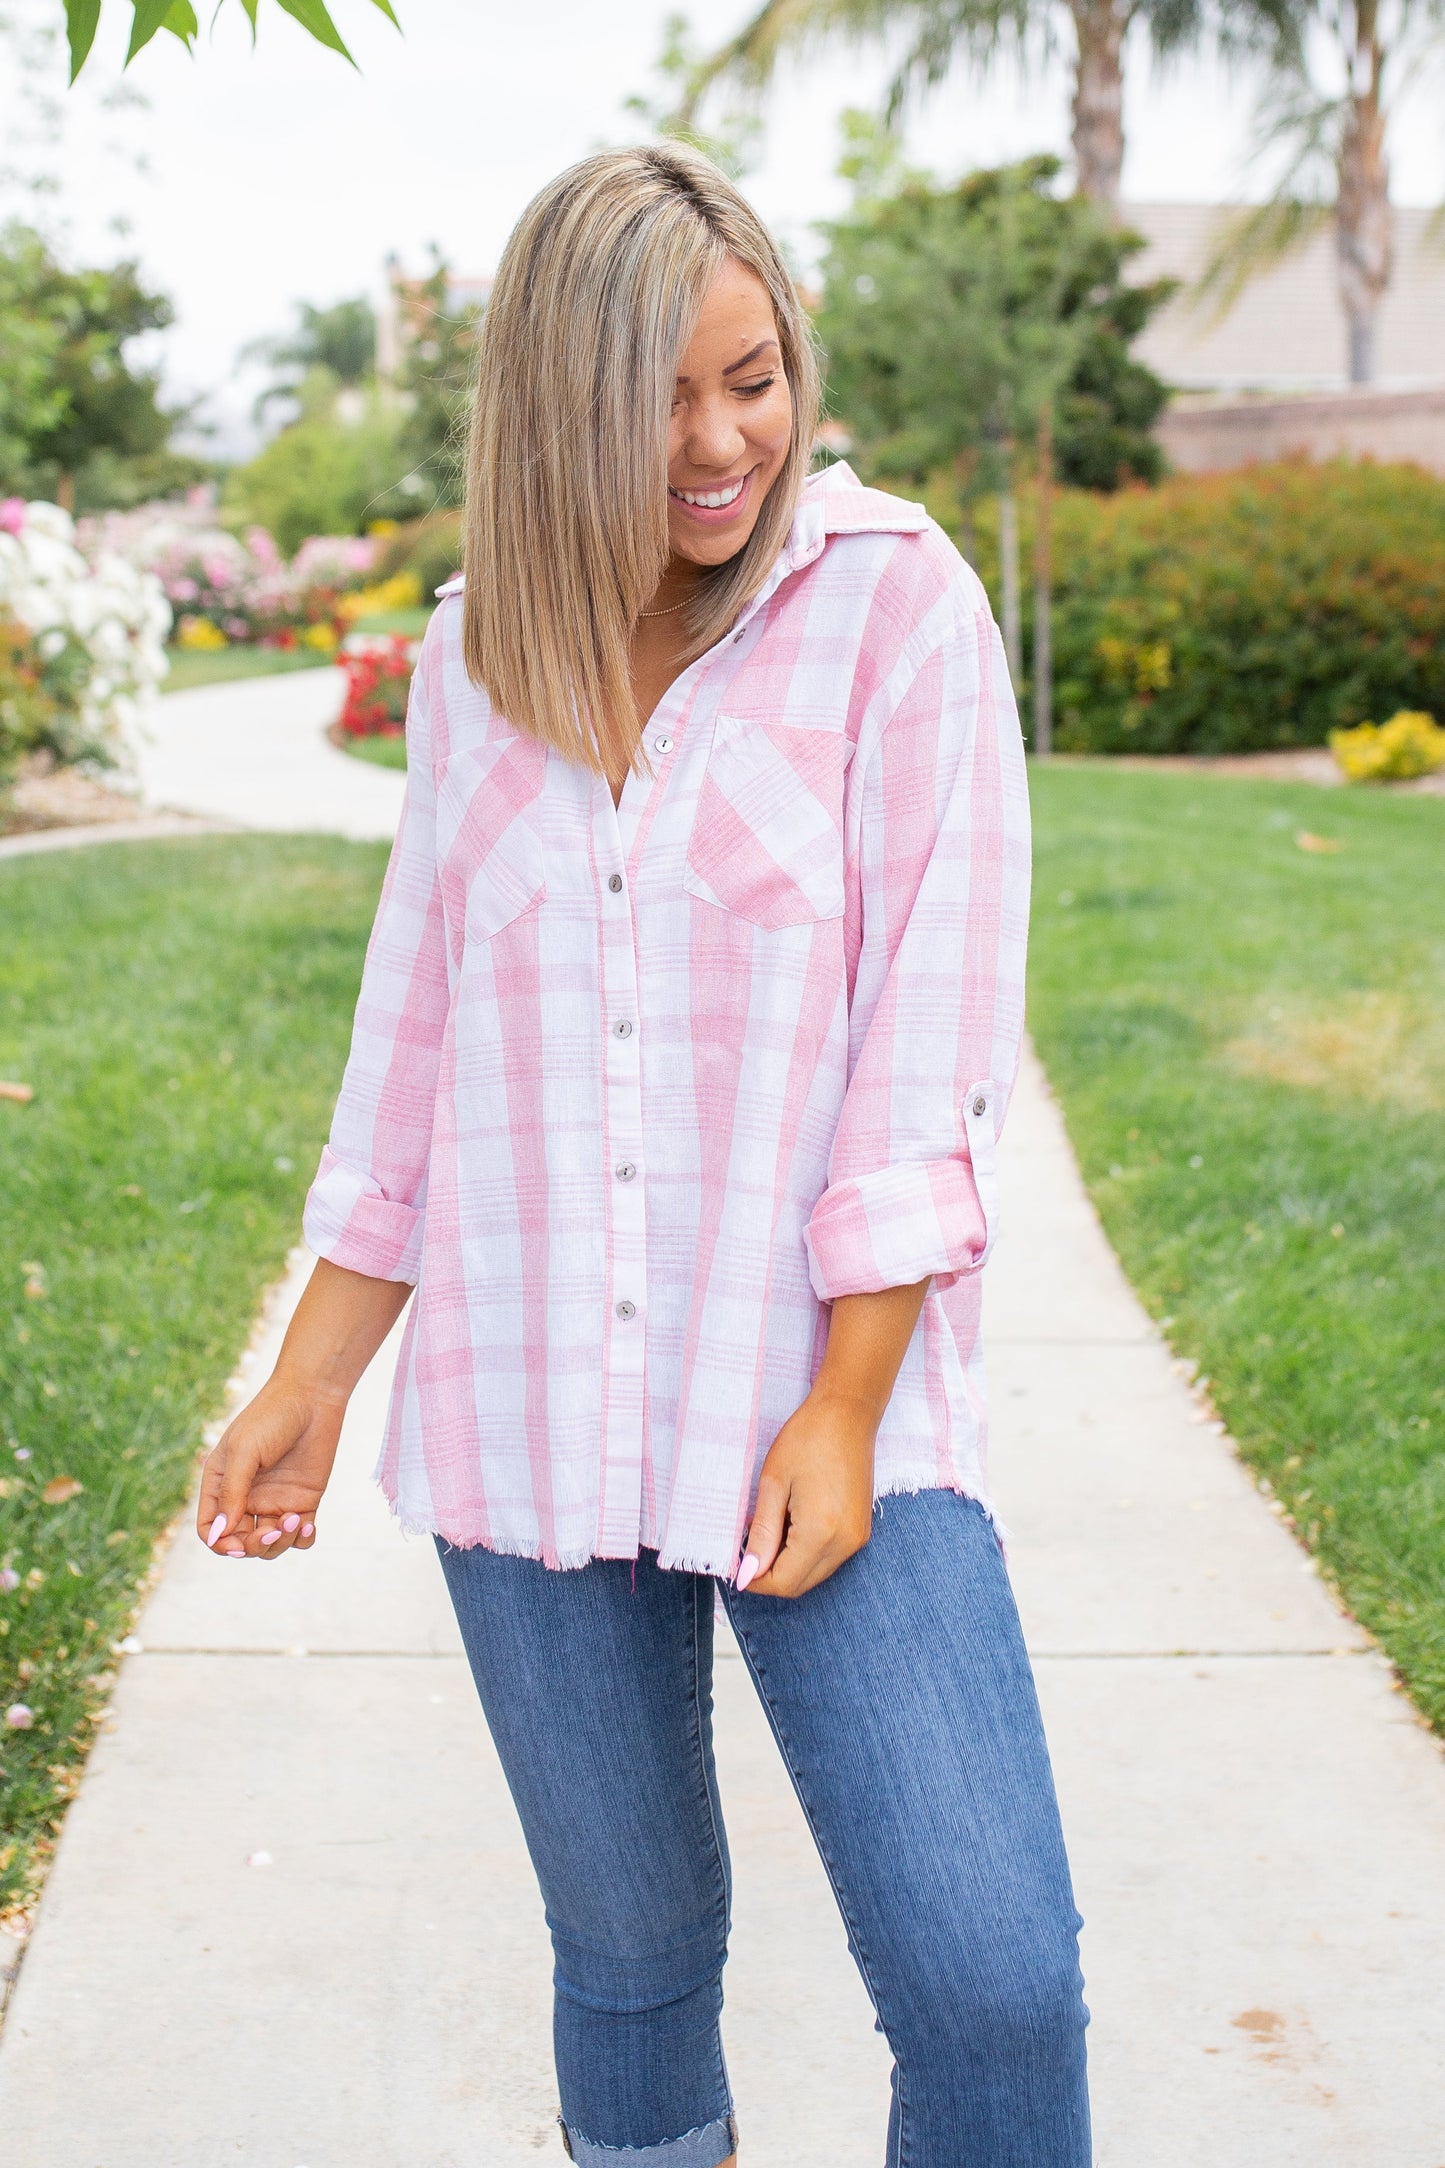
[767, 840]
[489, 847]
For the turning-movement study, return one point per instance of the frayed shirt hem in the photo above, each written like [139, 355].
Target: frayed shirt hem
[568, 1558]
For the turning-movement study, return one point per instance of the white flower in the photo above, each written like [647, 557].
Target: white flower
[49, 519]
[117, 611]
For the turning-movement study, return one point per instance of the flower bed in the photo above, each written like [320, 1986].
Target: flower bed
[82, 642]
[228, 590]
[1408, 746]
[378, 679]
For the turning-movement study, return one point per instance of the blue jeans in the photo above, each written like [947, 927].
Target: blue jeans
[901, 1699]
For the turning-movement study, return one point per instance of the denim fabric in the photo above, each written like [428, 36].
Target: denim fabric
[901, 1698]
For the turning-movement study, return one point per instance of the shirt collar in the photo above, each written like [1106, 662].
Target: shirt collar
[833, 502]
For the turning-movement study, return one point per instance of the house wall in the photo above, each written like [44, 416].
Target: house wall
[1286, 332]
[1204, 435]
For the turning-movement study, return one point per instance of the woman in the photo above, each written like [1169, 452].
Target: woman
[687, 1025]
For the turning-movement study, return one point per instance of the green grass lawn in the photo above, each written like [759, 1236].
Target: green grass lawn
[382, 752]
[411, 624]
[198, 666]
[1248, 1039]
[181, 1010]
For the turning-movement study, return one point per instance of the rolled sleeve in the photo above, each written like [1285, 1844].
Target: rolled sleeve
[936, 1016]
[929, 1219]
[367, 1206]
[349, 1221]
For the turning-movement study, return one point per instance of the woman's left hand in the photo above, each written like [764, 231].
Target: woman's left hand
[815, 1495]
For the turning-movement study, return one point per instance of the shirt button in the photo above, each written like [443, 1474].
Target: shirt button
[623, 1030]
[626, 1171]
[614, 882]
[626, 1311]
[980, 1105]
[662, 745]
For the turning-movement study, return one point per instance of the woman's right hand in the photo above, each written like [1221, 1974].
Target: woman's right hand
[262, 1483]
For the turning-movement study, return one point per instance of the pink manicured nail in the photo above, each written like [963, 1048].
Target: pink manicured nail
[233, 1550]
[310, 1529]
[272, 1536]
[747, 1572]
[291, 1523]
[218, 1526]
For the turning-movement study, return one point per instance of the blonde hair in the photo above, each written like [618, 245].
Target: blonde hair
[596, 297]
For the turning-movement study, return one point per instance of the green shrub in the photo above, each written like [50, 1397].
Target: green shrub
[322, 475]
[1238, 612]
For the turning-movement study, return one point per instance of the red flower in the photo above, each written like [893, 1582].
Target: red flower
[377, 683]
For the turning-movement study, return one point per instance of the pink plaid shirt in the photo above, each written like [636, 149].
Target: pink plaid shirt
[634, 1092]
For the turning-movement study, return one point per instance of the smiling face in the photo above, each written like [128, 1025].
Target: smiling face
[732, 421]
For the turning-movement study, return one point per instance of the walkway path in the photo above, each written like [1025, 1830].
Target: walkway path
[255, 753]
[1257, 1825]
[291, 1921]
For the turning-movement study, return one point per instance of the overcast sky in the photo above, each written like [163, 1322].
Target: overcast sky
[284, 174]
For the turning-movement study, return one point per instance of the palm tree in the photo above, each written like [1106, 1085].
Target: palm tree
[940, 31]
[1333, 68]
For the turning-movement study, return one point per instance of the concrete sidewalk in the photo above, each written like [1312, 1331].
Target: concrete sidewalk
[1257, 1826]
[255, 755]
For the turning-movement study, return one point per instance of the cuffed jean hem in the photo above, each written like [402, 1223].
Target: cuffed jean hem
[708, 2147]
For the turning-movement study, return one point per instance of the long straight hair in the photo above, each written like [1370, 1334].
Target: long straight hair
[596, 297]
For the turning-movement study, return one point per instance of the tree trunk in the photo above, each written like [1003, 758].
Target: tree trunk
[965, 476]
[1043, 593]
[65, 492]
[1098, 109]
[1008, 551]
[1362, 203]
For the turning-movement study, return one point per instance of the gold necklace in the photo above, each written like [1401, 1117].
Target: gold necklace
[668, 612]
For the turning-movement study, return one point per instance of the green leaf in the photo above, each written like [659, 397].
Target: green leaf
[387, 10]
[314, 16]
[81, 20]
[181, 23]
[250, 7]
[149, 16]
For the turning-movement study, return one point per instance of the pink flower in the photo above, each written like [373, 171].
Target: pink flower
[9, 1579]
[19, 1716]
[184, 590]
[12, 514]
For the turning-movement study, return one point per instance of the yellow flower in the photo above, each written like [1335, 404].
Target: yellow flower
[322, 637]
[401, 592]
[1410, 744]
[1147, 664]
[199, 633]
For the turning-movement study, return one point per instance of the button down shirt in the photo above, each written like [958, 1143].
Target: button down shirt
[636, 1091]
